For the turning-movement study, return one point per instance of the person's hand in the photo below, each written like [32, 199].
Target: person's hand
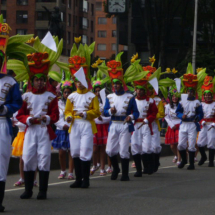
[113, 110]
[65, 127]
[31, 121]
[100, 118]
[44, 119]
[128, 119]
[184, 116]
[69, 119]
[80, 114]
[174, 127]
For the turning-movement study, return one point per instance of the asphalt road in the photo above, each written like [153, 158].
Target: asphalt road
[170, 191]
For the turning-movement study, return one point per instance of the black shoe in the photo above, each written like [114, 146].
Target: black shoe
[156, 162]
[85, 167]
[43, 184]
[125, 168]
[116, 169]
[191, 160]
[203, 156]
[145, 165]
[150, 162]
[183, 154]
[29, 183]
[211, 158]
[2, 189]
[78, 173]
[137, 160]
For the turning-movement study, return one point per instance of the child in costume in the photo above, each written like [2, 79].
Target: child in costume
[190, 112]
[207, 134]
[102, 124]
[61, 142]
[82, 107]
[122, 108]
[39, 111]
[171, 137]
[10, 99]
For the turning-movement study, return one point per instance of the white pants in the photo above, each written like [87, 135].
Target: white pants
[81, 140]
[156, 141]
[141, 140]
[187, 133]
[37, 149]
[207, 137]
[5, 148]
[118, 140]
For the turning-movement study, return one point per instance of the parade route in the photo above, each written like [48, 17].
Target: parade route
[169, 191]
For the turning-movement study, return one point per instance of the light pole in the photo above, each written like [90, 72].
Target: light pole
[194, 37]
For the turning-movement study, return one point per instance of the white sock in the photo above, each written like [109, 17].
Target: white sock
[62, 172]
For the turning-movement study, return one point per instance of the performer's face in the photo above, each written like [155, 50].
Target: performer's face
[174, 99]
[79, 85]
[190, 93]
[117, 86]
[54, 83]
[208, 97]
[66, 93]
[97, 90]
[140, 92]
[38, 83]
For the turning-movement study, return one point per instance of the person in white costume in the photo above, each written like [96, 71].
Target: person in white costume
[207, 134]
[190, 112]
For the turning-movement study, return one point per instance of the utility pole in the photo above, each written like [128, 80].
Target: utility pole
[194, 37]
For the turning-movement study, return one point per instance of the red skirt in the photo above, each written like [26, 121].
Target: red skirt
[100, 138]
[171, 137]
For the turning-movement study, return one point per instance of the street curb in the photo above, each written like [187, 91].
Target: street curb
[55, 165]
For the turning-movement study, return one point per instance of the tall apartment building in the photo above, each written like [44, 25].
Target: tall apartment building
[105, 33]
[29, 17]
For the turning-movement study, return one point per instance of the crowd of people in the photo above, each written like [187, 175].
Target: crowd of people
[82, 118]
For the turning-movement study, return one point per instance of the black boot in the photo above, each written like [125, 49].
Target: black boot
[116, 169]
[29, 183]
[183, 154]
[145, 164]
[191, 159]
[211, 158]
[137, 160]
[203, 156]
[156, 162]
[85, 167]
[150, 162]
[2, 189]
[78, 173]
[43, 187]
[125, 168]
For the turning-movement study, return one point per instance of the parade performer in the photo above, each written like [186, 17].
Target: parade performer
[82, 107]
[171, 137]
[53, 79]
[122, 108]
[141, 140]
[190, 112]
[102, 124]
[39, 111]
[61, 142]
[10, 99]
[207, 134]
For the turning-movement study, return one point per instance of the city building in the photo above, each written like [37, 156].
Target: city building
[30, 17]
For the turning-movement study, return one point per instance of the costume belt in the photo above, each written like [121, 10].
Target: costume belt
[118, 118]
[209, 119]
[139, 120]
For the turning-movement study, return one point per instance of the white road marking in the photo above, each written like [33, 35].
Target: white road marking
[95, 177]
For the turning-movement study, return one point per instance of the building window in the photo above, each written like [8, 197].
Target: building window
[45, 0]
[114, 33]
[101, 47]
[99, 6]
[85, 6]
[3, 2]
[84, 23]
[41, 33]
[4, 13]
[42, 15]
[84, 39]
[92, 26]
[69, 3]
[21, 16]
[68, 37]
[22, 2]
[113, 46]
[63, 16]
[102, 33]
[125, 48]
[102, 20]
[114, 20]
[68, 52]
[76, 3]
[69, 19]
[21, 31]
[92, 9]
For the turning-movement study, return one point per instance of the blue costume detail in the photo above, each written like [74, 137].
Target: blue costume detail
[198, 115]
[13, 103]
[132, 109]
[62, 140]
